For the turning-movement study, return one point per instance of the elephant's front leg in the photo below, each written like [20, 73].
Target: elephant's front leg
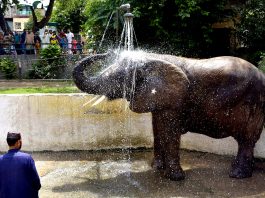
[159, 151]
[170, 130]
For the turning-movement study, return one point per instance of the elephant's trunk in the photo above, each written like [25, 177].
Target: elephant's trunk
[88, 84]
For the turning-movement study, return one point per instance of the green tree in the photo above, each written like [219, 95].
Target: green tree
[176, 26]
[251, 30]
[98, 13]
[69, 14]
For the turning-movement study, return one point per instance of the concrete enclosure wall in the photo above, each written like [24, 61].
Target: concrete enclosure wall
[69, 122]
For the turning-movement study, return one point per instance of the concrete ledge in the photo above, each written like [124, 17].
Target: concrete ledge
[60, 122]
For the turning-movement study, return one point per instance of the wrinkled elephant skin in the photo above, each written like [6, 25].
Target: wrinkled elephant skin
[218, 97]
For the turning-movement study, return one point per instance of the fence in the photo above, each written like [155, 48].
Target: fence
[24, 63]
[7, 48]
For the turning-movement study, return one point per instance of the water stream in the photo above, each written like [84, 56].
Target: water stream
[128, 34]
[126, 43]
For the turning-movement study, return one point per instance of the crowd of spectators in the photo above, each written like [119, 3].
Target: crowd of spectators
[28, 42]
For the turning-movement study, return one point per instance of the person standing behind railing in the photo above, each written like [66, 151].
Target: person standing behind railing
[2, 51]
[1, 36]
[6, 44]
[17, 42]
[37, 43]
[54, 40]
[23, 42]
[30, 42]
[79, 47]
[70, 37]
[10, 42]
[63, 41]
[45, 39]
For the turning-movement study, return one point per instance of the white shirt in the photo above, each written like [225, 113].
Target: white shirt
[45, 39]
[69, 36]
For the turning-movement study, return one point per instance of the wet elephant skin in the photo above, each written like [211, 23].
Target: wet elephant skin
[218, 97]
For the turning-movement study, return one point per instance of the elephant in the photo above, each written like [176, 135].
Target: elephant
[218, 97]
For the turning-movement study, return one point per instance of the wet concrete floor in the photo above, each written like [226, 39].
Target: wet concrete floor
[117, 173]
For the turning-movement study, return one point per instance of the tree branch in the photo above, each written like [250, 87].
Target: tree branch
[34, 18]
[47, 16]
[38, 25]
[3, 24]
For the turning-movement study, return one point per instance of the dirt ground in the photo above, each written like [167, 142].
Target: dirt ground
[100, 174]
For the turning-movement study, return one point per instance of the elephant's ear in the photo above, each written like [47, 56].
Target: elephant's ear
[160, 85]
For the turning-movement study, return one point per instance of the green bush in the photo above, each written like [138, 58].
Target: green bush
[261, 63]
[8, 67]
[50, 65]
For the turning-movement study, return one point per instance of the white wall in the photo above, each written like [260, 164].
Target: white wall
[61, 122]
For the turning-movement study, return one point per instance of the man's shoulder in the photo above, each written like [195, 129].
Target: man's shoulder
[17, 154]
[23, 154]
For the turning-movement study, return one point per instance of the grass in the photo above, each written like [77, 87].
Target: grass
[33, 90]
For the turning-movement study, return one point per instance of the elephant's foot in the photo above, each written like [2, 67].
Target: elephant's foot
[175, 175]
[242, 170]
[158, 164]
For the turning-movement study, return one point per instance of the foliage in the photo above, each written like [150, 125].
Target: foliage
[183, 26]
[174, 26]
[8, 67]
[69, 14]
[261, 63]
[98, 13]
[50, 64]
[251, 30]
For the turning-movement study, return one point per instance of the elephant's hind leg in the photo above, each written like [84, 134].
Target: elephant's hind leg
[252, 120]
[242, 166]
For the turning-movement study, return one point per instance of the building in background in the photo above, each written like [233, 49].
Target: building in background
[17, 17]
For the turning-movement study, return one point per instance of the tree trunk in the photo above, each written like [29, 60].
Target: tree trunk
[40, 24]
[3, 24]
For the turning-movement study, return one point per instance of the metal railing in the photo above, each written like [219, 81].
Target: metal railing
[16, 48]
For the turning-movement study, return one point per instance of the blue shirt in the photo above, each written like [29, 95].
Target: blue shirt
[23, 38]
[18, 175]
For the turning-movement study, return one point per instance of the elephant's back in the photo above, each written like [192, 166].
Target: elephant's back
[217, 71]
[224, 64]
[225, 80]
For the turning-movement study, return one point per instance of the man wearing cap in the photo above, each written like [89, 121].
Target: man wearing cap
[18, 174]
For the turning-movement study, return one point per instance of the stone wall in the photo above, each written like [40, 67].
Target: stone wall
[68, 122]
